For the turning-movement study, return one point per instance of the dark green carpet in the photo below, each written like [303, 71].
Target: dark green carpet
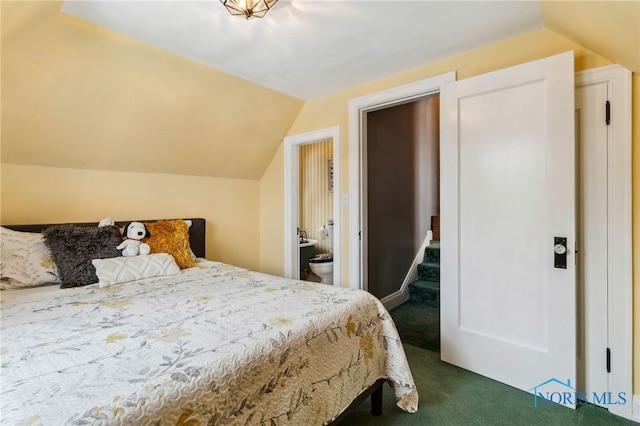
[418, 324]
[452, 396]
[425, 292]
[418, 319]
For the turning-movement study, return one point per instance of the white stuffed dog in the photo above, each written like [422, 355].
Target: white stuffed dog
[132, 246]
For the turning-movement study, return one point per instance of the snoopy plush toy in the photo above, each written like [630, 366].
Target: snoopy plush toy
[132, 245]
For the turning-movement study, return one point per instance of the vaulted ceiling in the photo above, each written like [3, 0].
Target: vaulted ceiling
[308, 49]
[311, 48]
[183, 87]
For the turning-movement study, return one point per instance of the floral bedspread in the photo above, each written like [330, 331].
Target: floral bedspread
[214, 345]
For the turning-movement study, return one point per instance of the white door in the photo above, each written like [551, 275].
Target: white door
[592, 150]
[507, 190]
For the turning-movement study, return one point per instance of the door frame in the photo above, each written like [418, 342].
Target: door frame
[358, 110]
[620, 298]
[620, 314]
[292, 199]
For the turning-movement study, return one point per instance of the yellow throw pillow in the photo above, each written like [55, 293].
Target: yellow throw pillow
[172, 237]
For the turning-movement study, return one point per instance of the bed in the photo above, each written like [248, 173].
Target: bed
[212, 344]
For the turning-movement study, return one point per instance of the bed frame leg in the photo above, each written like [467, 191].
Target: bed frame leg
[376, 401]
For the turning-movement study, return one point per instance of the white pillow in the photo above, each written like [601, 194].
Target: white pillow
[118, 270]
[25, 261]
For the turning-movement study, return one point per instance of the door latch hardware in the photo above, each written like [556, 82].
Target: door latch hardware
[560, 252]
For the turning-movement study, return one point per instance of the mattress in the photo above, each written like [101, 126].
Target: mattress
[215, 344]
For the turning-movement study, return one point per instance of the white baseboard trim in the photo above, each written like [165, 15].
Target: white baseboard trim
[635, 415]
[397, 298]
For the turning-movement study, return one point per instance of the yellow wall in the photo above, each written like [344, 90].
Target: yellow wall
[34, 194]
[272, 216]
[333, 110]
[610, 27]
[75, 95]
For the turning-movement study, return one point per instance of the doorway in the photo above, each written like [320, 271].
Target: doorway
[619, 297]
[316, 208]
[359, 109]
[402, 149]
[292, 145]
[603, 126]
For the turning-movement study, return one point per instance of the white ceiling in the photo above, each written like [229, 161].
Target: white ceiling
[311, 48]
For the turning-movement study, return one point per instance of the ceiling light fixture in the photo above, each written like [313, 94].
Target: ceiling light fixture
[248, 8]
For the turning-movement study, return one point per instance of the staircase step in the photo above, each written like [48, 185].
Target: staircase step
[418, 325]
[432, 252]
[429, 271]
[425, 292]
[418, 319]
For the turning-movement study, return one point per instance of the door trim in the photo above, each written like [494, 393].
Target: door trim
[621, 317]
[292, 196]
[620, 276]
[358, 109]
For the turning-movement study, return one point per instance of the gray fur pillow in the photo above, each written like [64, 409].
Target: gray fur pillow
[74, 247]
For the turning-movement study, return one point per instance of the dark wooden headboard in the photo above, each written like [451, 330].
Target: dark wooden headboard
[196, 231]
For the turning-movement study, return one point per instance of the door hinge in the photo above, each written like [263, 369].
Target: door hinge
[607, 113]
[360, 235]
[608, 360]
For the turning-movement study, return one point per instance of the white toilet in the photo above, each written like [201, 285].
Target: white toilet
[322, 264]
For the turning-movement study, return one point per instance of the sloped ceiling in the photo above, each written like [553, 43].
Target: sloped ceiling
[609, 28]
[309, 49]
[76, 95]
[122, 88]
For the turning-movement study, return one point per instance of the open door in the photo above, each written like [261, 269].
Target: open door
[508, 275]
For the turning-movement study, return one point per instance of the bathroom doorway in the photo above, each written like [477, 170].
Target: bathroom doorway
[298, 218]
[316, 208]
